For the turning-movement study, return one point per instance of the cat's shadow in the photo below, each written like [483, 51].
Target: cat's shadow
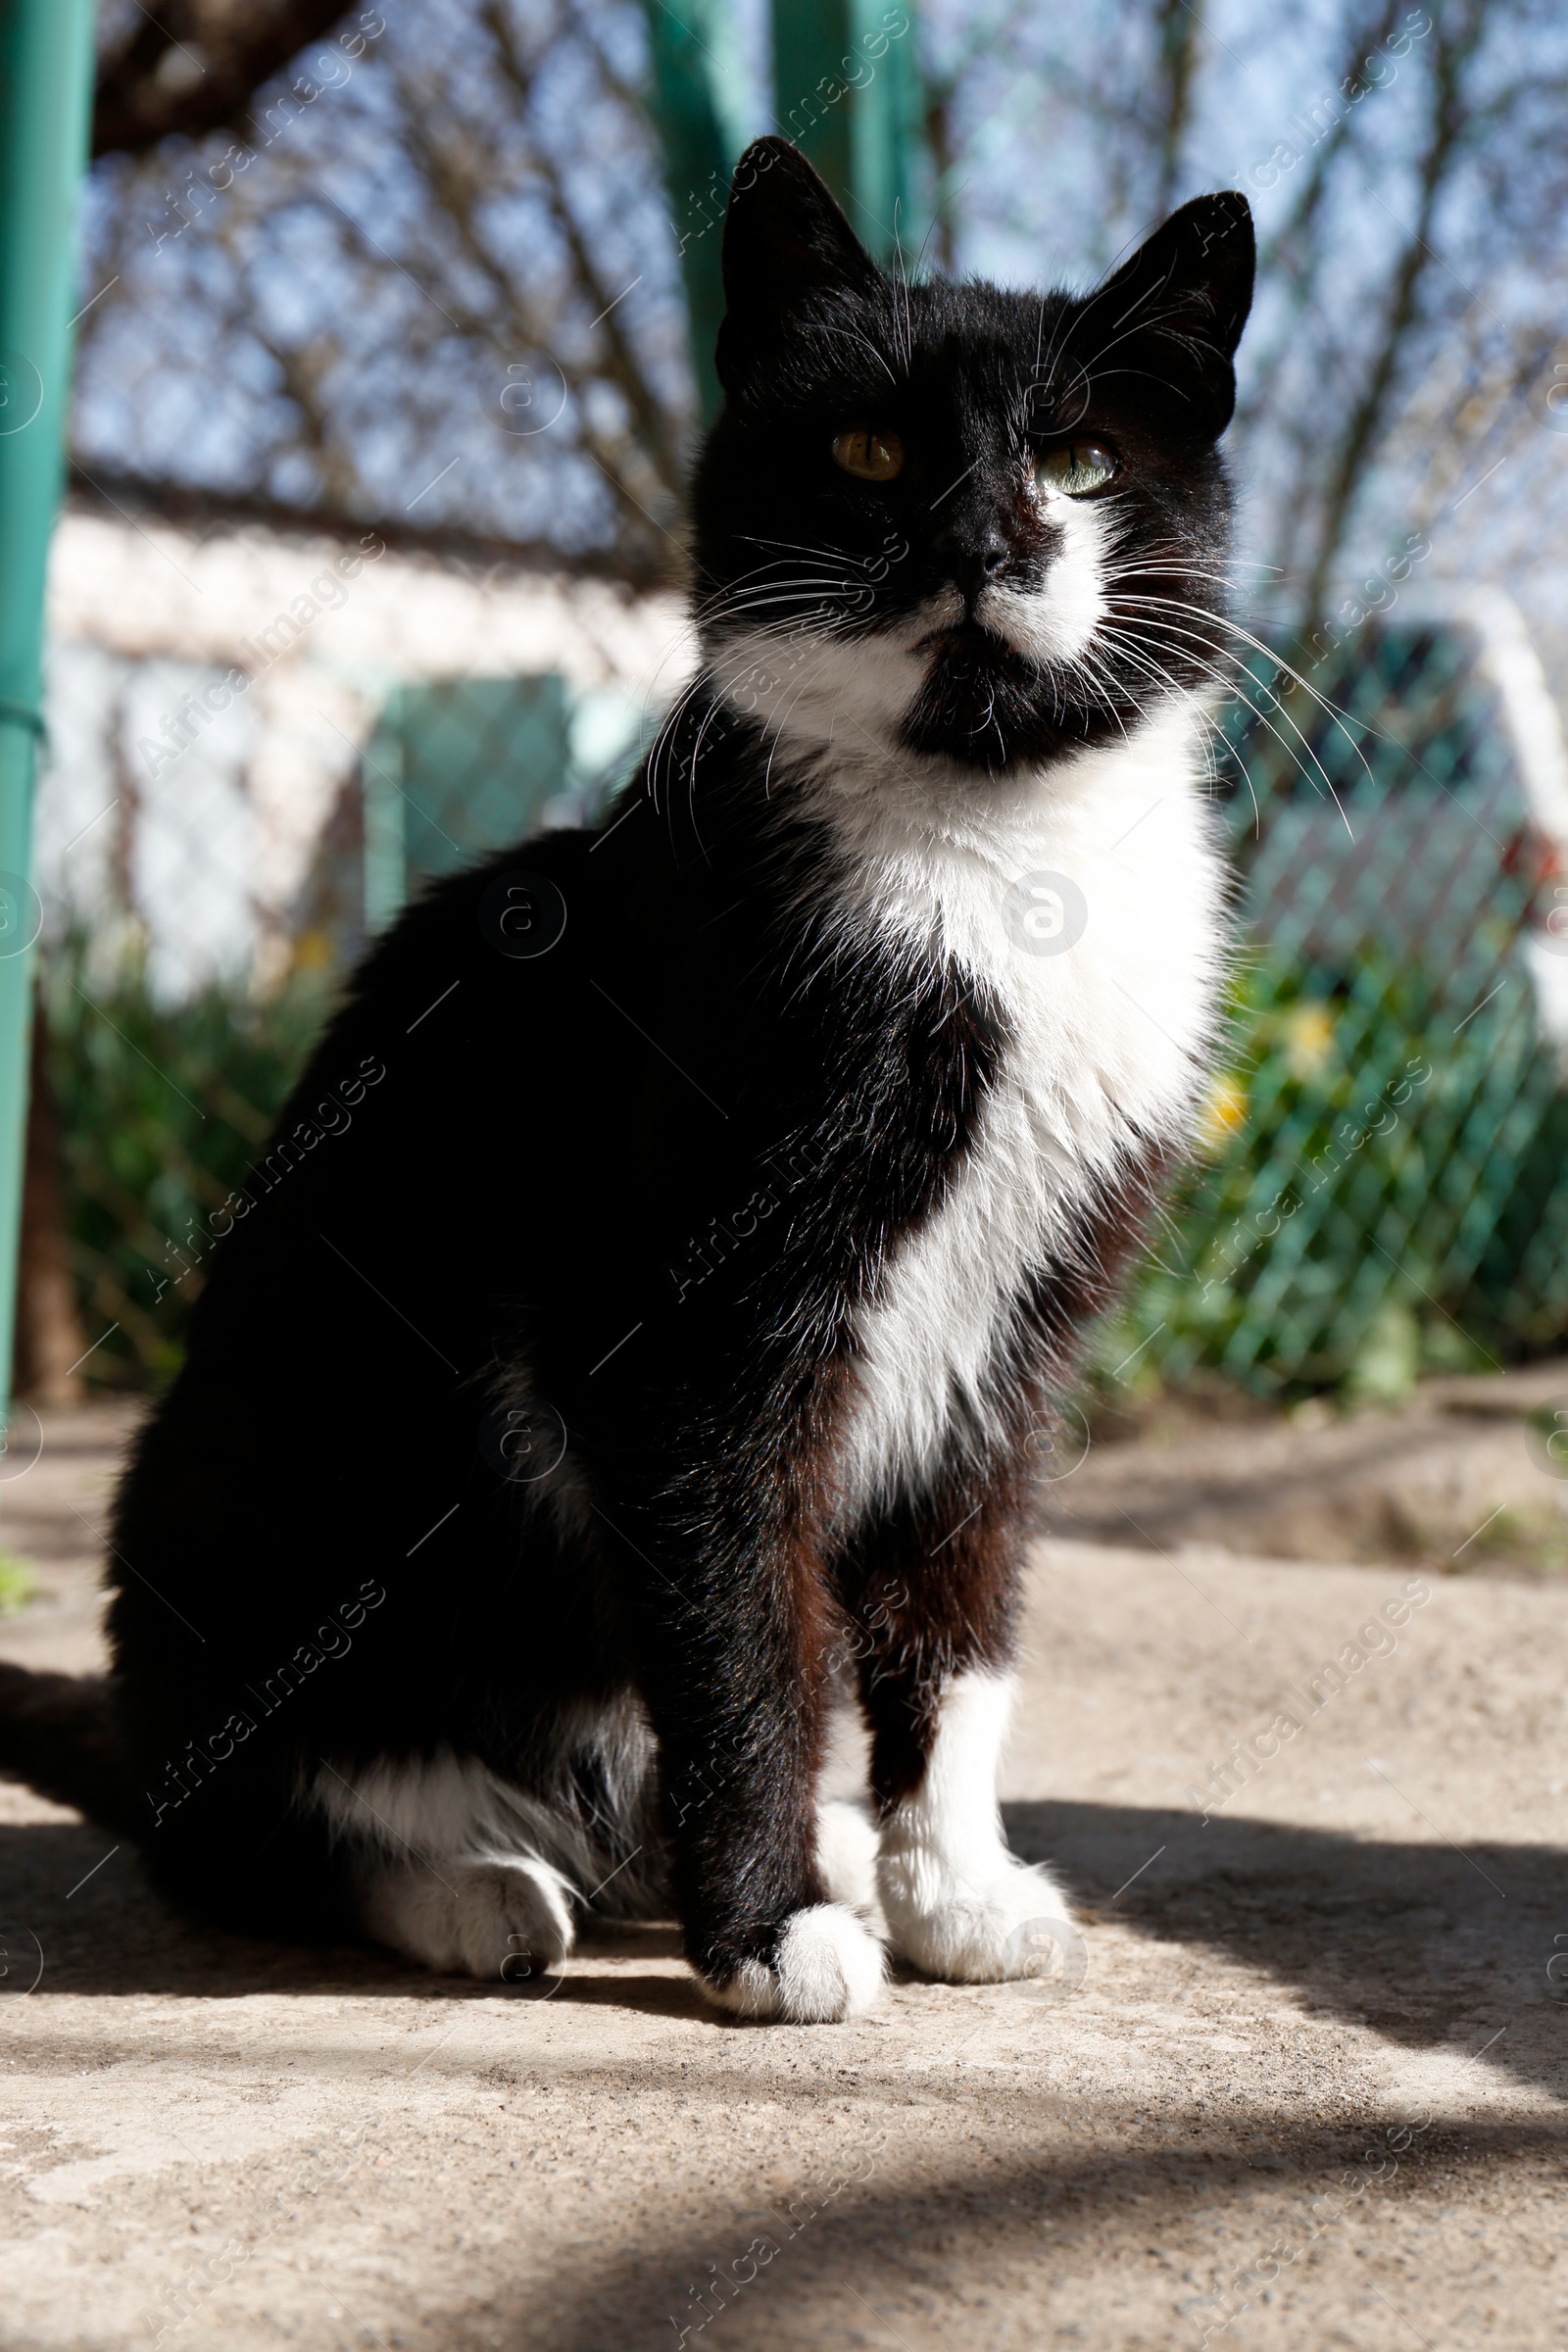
[1430, 1945]
[79, 1915]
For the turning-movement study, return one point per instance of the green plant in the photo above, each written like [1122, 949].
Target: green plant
[1360, 1158]
[163, 1108]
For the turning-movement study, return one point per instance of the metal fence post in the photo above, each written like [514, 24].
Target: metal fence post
[847, 90]
[700, 111]
[386, 853]
[46, 59]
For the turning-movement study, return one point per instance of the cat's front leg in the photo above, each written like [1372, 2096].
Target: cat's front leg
[736, 1696]
[937, 1686]
[958, 1903]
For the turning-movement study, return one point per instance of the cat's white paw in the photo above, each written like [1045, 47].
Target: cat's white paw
[508, 1919]
[828, 1968]
[969, 1933]
[845, 1855]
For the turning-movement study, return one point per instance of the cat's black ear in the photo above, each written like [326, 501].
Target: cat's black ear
[786, 242]
[1165, 327]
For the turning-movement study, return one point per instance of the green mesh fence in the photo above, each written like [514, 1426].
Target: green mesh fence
[466, 766]
[1381, 1188]
[1383, 1185]
[455, 769]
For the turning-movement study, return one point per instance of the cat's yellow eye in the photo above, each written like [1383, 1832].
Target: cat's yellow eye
[871, 454]
[1075, 469]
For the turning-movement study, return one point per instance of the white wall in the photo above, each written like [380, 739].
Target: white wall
[217, 815]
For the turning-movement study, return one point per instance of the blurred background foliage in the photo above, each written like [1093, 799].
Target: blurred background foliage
[162, 1110]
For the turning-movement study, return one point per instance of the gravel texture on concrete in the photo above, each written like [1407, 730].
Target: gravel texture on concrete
[1300, 2083]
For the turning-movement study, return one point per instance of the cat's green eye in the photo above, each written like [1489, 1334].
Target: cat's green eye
[870, 453]
[1074, 468]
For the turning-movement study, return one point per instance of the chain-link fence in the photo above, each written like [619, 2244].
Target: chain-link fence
[469, 764]
[1383, 1180]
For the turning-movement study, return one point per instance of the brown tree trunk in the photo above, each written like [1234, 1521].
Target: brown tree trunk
[50, 1341]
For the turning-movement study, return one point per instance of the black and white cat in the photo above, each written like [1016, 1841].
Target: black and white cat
[650, 1296]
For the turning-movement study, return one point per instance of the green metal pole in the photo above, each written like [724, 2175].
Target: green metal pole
[386, 848]
[700, 108]
[46, 61]
[887, 130]
[847, 90]
[810, 37]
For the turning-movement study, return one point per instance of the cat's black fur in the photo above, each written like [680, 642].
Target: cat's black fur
[632, 1189]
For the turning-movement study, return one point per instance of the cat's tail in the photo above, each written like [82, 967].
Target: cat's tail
[57, 1733]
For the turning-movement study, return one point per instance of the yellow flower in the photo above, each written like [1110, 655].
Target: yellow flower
[1222, 1111]
[1308, 1038]
[312, 952]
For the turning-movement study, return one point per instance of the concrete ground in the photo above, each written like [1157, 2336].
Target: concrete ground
[1302, 2082]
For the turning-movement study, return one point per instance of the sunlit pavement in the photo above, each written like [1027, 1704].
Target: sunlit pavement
[1302, 2085]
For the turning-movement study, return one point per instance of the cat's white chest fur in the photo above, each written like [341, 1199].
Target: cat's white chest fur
[1109, 1034]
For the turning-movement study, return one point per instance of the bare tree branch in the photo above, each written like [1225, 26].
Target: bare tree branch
[1295, 250]
[518, 321]
[1180, 25]
[1344, 473]
[196, 68]
[624, 366]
